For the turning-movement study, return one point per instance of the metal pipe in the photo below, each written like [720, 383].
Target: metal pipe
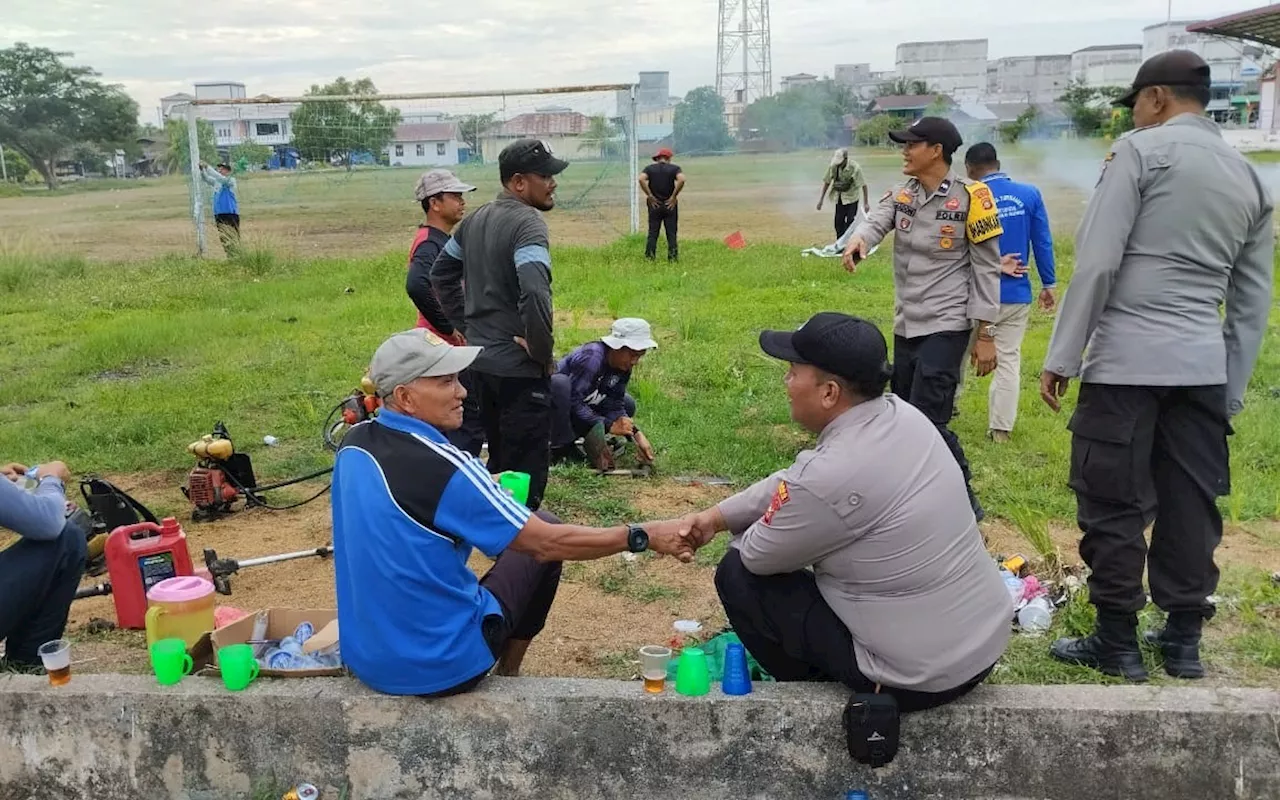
[355, 98]
[633, 153]
[197, 196]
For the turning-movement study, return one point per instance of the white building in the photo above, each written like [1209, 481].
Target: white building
[1028, 79]
[1233, 67]
[425, 144]
[1106, 64]
[799, 79]
[956, 67]
[235, 123]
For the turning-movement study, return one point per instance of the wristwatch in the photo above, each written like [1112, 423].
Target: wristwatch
[637, 539]
[988, 331]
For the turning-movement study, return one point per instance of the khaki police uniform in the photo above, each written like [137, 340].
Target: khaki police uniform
[946, 275]
[902, 592]
[1179, 226]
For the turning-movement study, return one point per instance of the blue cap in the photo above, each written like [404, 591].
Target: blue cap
[855, 794]
[737, 676]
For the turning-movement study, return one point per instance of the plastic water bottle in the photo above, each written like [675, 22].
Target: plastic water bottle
[1036, 615]
[31, 479]
[856, 794]
[1014, 584]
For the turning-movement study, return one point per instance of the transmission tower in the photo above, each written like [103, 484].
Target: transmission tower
[744, 63]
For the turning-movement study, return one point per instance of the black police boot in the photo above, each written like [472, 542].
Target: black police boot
[1112, 649]
[1180, 643]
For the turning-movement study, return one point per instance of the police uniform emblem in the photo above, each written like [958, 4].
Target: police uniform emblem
[904, 224]
[945, 243]
[952, 204]
[947, 230]
[904, 197]
[781, 496]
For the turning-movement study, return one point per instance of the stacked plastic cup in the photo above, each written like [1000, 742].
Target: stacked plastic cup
[737, 676]
[693, 678]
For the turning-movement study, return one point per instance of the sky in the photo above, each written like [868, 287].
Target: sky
[158, 47]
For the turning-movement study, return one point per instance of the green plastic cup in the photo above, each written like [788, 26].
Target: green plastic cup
[238, 666]
[169, 661]
[693, 677]
[517, 483]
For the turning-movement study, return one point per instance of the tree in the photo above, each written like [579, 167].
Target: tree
[250, 153]
[341, 128]
[599, 135]
[177, 159]
[699, 124]
[16, 165]
[811, 115]
[901, 87]
[1011, 132]
[875, 131]
[48, 107]
[472, 128]
[1087, 106]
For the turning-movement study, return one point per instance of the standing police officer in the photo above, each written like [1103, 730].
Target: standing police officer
[1178, 226]
[946, 274]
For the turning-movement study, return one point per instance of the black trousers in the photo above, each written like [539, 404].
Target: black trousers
[526, 589]
[785, 623]
[469, 437]
[846, 213]
[926, 370]
[38, 581]
[229, 232]
[565, 427]
[668, 218]
[1144, 453]
[516, 416]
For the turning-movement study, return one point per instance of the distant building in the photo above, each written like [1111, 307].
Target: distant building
[852, 74]
[434, 144]
[799, 79]
[1106, 64]
[562, 130]
[1233, 67]
[235, 123]
[910, 106]
[1028, 79]
[653, 90]
[956, 67]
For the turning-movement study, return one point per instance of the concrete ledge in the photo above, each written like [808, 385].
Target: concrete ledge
[108, 736]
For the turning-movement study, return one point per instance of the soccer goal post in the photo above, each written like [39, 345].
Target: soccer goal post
[334, 174]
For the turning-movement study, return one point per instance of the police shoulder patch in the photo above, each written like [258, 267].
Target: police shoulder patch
[781, 496]
[983, 220]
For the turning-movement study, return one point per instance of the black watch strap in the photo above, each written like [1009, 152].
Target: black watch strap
[637, 539]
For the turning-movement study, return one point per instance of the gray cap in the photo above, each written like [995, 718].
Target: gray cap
[413, 354]
[630, 332]
[439, 181]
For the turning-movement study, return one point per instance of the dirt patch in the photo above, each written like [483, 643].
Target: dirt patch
[668, 499]
[1252, 544]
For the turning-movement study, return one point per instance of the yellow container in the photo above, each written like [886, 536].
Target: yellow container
[179, 608]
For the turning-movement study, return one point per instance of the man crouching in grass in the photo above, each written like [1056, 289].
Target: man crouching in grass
[408, 507]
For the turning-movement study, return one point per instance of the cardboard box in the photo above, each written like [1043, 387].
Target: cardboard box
[281, 622]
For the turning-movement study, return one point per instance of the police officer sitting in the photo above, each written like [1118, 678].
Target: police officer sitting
[902, 594]
[946, 274]
[1179, 226]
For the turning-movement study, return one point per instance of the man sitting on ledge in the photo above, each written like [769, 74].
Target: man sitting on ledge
[902, 595]
[408, 507]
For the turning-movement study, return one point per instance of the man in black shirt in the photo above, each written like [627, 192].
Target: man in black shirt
[441, 196]
[661, 183]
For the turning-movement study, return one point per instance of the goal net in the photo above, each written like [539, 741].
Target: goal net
[319, 175]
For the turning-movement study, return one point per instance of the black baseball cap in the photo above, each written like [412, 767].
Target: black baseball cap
[1170, 68]
[931, 130]
[529, 157]
[850, 347]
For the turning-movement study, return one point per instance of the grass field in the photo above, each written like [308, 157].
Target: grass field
[119, 350]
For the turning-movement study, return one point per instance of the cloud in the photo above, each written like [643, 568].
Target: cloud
[156, 47]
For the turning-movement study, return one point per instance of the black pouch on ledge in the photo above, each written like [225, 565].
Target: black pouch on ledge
[871, 725]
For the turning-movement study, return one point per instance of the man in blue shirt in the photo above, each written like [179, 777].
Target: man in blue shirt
[39, 573]
[226, 211]
[409, 507]
[1026, 230]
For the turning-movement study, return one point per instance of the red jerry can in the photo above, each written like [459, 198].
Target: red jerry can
[140, 556]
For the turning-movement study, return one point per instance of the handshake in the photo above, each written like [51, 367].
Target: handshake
[684, 536]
